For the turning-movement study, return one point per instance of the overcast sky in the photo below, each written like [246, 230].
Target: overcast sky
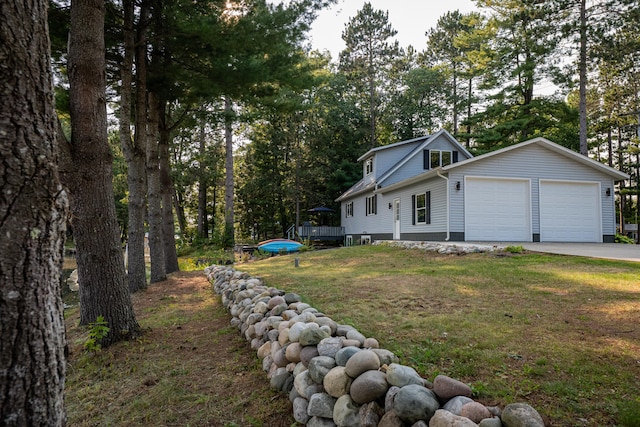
[410, 18]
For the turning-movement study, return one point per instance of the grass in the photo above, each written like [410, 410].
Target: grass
[190, 368]
[560, 333]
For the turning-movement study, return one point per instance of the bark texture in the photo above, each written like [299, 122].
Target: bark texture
[134, 149]
[168, 225]
[154, 193]
[101, 274]
[33, 212]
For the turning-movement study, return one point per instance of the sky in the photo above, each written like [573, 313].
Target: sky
[410, 18]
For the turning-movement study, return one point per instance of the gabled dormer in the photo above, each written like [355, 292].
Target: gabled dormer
[368, 169]
[388, 164]
[438, 150]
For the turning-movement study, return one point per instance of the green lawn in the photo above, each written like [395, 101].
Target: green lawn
[560, 333]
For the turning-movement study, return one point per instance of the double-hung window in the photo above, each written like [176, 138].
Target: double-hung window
[349, 210]
[372, 205]
[368, 166]
[421, 208]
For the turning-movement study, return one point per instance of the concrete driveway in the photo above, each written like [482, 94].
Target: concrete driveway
[594, 250]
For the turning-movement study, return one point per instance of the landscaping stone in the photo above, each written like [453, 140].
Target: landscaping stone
[321, 405]
[444, 418]
[290, 298]
[370, 414]
[279, 380]
[342, 330]
[386, 357]
[336, 382]
[344, 354]
[390, 397]
[329, 346]
[475, 411]
[293, 352]
[307, 353]
[414, 403]
[319, 363]
[364, 360]
[369, 386]
[355, 335]
[320, 422]
[371, 343]
[400, 375]
[455, 404]
[521, 415]
[312, 336]
[319, 366]
[391, 419]
[303, 382]
[490, 422]
[295, 329]
[345, 412]
[446, 388]
[300, 406]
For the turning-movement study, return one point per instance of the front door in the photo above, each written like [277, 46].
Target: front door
[396, 219]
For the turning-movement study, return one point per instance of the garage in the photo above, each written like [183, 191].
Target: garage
[570, 211]
[497, 209]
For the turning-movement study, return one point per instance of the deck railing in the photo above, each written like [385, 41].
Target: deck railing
[317, 232]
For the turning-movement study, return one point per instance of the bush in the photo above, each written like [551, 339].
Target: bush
[624, 239]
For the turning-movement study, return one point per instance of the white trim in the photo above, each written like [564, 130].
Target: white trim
[447, 195]
[397, 219]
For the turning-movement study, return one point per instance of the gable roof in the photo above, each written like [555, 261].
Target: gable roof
[385, 147]
[545, 143]
[357, 188]
[559, 149]
[419, 149]
[422, 141]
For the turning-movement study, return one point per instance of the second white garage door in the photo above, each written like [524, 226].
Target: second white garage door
[497, 209]
[570, 212]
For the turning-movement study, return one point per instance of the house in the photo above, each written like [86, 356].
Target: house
[432, 188]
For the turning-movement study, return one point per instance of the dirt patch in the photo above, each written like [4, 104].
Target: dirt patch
[189, 368]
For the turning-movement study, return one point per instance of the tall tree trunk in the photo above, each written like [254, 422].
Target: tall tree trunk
[166, 184]
[133, 149]
[154, 193]
[584, 148]
[229, 231]
[103, 287]
[33, 213]
[178, 206]
[203, 226]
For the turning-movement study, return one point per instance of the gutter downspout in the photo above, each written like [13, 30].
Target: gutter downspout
[447, 180]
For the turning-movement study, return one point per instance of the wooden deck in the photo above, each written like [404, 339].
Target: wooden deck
[319, 233]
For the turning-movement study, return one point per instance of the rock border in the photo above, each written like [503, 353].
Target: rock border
[335, 376]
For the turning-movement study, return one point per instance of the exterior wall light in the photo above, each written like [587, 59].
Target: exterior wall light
[458, 186]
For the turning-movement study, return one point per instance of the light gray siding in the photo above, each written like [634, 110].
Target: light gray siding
[437, 187]
[360, 223]
[533, 162]
[386, 159]
[415, 164]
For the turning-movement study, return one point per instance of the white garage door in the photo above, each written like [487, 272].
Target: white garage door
[497, 209]
[570, 212]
